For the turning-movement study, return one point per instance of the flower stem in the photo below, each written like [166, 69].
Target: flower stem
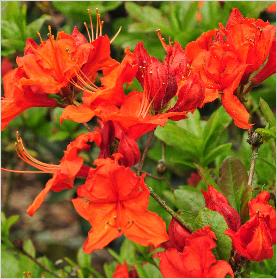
[254, 139]
[152, 192]
[36, 262]
[175, 215]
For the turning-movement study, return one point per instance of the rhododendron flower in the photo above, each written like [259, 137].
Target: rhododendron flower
[114, 140]
[110, 93]
[217, 202]
[196, 260]
[57, 66]
[114, 201]
[64, 174]
[228, 57]
[121, 271]
[161, 81]
[260, 205]
[18, 98]
[253, 239]
[251, 38]
[177, 236]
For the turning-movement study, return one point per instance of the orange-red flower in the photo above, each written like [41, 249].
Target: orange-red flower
[260, 205]
[110, 93]
[51, 65]
[196, 260]
[63, 65]
[161, 81]
[17, 98]
[114, 201]
[121, 271]
[64, 174]
[251, 38]
[177, 236]
[217, 202]
[115, 140]
[255, 238]
[231, 56]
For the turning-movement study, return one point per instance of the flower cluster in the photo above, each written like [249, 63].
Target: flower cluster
[79, 75]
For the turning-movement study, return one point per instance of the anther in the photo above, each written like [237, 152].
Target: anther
[85, 24]
[40, 38]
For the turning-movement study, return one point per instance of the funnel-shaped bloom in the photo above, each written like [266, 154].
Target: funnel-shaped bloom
[253, 239]
[114, 201]
[177, 236]
[64, 174]
[196, 260]
[17, 98]
[162, 81]
[260, 205]
[230, 57]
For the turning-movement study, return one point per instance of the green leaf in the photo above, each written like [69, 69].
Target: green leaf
[29, 247]
[9, 264]
[83, 259]
[267, 112]
[151, 17]
[149, 270]
[36, 25]
[207, 217]
[189, 201]
[109, 269]
[267, 133]
[233, 182]
[221, 150]
[216, 124]
[206, 176]
[115, 255]
[128, 252]
[180, 138]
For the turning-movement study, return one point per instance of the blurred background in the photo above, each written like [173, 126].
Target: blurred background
[56, 231]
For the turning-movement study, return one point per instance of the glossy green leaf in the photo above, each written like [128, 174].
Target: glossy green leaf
[233, 181]
[207, 217]
[189, 201]
[267, 112]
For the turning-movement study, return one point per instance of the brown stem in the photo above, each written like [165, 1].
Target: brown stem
[175, 215]
[145, 151]
[254, 139]
[37, 262]
[152, 192]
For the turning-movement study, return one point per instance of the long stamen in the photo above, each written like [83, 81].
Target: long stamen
[22, 171]
[40, 38]
[97, 23]
[26, 157]
[87, 32]
[116, 34]
[85, 77]
[101, 27]
[85, 84]
[159, 34]
[91, 25]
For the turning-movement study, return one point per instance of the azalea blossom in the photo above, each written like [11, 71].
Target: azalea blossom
[196, 260]
[64, 174]
[255, 238]
[114, 201]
